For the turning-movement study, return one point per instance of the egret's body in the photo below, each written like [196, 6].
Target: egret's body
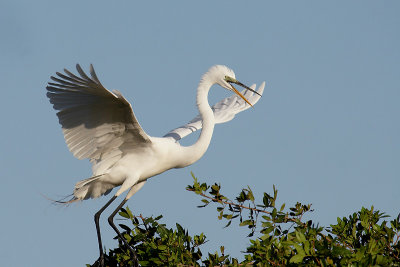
[101, 126]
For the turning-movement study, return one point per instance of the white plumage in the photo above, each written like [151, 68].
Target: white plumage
[100, 125]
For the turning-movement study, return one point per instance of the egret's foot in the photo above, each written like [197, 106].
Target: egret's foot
[133, 252]
[100, 262]
[135, 259]
[105, 261]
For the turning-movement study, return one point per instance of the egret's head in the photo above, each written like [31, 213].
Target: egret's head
[219, 73]
[225, 77]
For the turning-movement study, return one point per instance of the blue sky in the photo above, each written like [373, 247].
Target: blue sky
[326, 131]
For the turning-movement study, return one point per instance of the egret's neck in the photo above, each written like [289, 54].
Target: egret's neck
[194, 152]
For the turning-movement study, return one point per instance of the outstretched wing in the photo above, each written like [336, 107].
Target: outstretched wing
[96, 123]
[225, 110]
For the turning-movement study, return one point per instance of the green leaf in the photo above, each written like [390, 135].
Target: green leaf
[180, 228]
[300, 236]
[266, 231]
[205, 201]
[250, 194]
[215, 187]
[229, 223]
[129, 212]
[266, 200]
[299, 249]
[228, 216]
[162, 247]
[126, 228]
[307, 247]
[246, 222]
[297, 258]
[282, 207]
[124, 214]
[274, 212]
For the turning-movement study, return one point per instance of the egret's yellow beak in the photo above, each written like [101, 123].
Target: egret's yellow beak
[231, 80]
[240, 94]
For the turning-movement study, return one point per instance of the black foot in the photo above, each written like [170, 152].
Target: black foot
[135, 260]
[133, 253]
[100, 262]
[105, 261]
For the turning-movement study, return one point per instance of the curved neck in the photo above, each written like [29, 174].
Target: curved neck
[194, 152]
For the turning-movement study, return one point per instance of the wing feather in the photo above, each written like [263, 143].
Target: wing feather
[96, 123]
[224, 111]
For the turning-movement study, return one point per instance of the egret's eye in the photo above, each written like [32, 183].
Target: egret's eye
[229, 79]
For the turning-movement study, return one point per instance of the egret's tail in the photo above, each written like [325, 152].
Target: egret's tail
[92, 187]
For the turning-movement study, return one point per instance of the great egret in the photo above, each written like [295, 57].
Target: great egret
[100, 125]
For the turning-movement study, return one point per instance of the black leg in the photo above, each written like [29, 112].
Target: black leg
[96, 221]
[111, 222]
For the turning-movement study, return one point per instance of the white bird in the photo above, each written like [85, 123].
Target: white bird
[100, 125]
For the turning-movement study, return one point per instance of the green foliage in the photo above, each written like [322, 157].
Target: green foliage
[278, 236]
[155, 244]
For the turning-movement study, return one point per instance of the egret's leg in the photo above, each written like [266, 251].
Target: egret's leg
[131, 192]
[96, 221]
[111, 222]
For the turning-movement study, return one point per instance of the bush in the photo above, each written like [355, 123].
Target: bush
[277, 236]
